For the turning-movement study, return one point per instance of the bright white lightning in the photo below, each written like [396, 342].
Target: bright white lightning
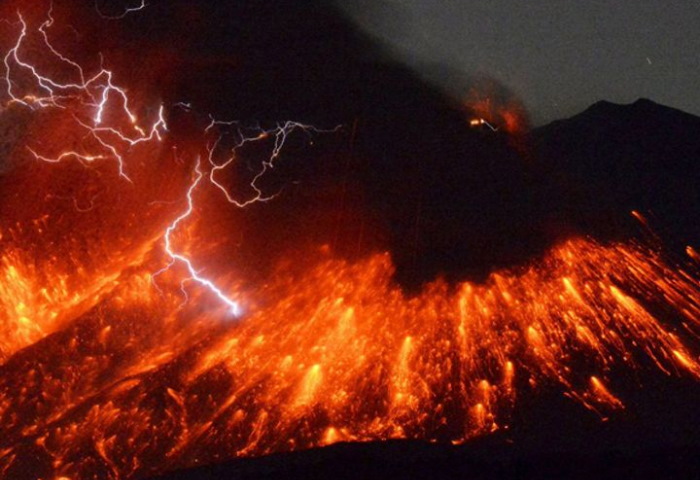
[126, 12]
[94, 93]
[280, 133]
[79, 156]
[234, 307]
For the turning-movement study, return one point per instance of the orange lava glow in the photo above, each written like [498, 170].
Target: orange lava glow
[108, 372]
[506, 115]
[141, 383]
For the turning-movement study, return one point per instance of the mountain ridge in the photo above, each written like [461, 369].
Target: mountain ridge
[611, 159]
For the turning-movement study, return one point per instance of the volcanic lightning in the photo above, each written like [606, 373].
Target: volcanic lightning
[279, 133]
[127, 11]
[234, 307]
[93, 93]
[106, 373]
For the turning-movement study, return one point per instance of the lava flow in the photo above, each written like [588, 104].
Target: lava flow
[120, 356]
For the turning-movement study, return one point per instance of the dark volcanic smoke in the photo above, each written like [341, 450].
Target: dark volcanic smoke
[187, 276]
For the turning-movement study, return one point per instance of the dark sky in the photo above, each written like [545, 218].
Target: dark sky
[559, 56]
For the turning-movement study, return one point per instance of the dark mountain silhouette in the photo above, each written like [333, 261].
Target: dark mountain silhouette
[412, 460]
[612, 159]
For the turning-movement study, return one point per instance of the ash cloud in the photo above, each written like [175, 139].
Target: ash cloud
[407, 174]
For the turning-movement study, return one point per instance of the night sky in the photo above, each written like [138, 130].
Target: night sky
[559, 56]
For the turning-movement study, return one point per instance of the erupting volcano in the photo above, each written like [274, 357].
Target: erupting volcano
[163, 307]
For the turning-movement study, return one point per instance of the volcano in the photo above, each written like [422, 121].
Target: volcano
[612, 159]
[267, 243]
[618, 158]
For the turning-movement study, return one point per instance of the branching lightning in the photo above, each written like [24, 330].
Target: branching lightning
[234, 307]
[280, 133]
[126, 12]
[98, 94]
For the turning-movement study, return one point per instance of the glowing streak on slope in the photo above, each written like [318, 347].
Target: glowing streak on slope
[476, 122]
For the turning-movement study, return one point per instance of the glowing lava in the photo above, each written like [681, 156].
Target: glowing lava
[139, 384]
[106, 373]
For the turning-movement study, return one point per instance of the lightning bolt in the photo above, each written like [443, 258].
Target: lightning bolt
[126, 12]
[98, 94]
[279, 133]
[234, 307]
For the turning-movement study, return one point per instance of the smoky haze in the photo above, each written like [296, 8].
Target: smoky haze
[558, 56]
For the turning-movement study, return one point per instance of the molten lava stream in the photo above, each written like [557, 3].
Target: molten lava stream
[143, 383]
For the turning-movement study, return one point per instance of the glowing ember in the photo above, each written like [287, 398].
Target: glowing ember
[494, 111]
[107, 372]
[339, 354]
